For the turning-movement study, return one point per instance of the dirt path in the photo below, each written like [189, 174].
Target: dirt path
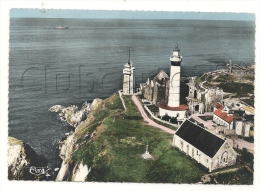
[122, 100]
[147, 119]
[244, 144]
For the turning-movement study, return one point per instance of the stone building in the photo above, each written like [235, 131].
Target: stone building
[203, 146]
[156, 90]
[241, 126]
[232, 119]
[224, 119]
[203, 99]
[195, 105]
[209, 97]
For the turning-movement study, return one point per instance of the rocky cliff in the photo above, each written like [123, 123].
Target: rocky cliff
[71, 114]
[71, 171]
[21, 157]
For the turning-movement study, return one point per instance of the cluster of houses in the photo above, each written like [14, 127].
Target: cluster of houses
[236, 120]
[193, 137]
[209, 148]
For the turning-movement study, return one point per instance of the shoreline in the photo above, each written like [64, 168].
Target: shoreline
[75, 117]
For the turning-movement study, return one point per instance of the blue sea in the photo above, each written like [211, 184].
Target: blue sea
[70, 66]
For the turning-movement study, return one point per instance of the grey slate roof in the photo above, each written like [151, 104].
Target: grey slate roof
[200, 138]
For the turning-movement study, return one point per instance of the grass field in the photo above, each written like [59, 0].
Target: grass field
[114, 155]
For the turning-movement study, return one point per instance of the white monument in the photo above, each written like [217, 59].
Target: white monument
[147, 155]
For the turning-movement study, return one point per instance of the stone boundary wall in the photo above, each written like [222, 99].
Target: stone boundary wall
[156, 118]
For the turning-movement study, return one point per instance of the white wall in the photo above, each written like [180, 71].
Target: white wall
[226, 156]
[223, 158]
[174, 91]
[239, 127]
[247, 130]
[222, 122]
[193, 152]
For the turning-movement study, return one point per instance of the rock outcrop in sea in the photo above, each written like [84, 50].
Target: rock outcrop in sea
[71, 114]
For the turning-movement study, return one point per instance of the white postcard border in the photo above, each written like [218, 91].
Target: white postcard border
[245, 6]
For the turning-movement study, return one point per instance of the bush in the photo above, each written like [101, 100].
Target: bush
[247, 157]
[240, 177]
[241, 88]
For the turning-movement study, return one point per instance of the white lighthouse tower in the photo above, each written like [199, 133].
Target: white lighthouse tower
[128, 78]
[175, 77]
[173, 108]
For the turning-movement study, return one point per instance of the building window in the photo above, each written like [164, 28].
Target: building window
[197, 152]
[224, 157]
[181, 145]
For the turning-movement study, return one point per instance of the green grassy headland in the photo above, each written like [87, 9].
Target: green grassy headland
[114, 155]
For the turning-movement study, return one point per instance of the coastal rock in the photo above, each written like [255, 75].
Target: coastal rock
[71, 114]
[67, 147]
[56, 108]
[74, 117]
[63, 174]
[20, 158]
[73, 172]
[66, 150]
[16, 158]
[95, 104]
[81, 173]
[78, 117]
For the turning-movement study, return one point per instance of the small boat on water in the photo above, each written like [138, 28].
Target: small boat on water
[60, 27]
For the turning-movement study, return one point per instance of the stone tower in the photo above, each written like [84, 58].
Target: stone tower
[192, 87]
[175, 77]
[128, 78]
[230, 67]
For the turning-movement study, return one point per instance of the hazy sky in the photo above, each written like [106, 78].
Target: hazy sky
[57, 13]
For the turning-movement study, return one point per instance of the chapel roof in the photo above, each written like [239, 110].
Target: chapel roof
[200, 138]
